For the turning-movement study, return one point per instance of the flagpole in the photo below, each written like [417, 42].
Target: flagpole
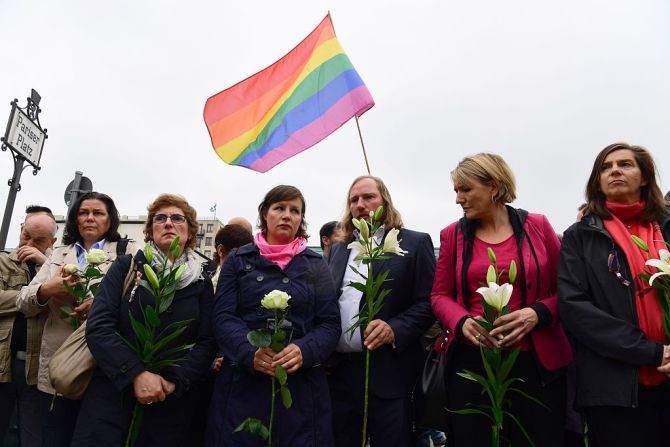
[360, 135]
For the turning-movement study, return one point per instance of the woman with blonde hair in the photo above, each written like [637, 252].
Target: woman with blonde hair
[484, 186]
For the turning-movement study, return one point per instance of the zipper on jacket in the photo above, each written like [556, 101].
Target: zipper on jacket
[631, 303]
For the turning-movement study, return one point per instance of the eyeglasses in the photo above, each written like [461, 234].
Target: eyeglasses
[174, 218]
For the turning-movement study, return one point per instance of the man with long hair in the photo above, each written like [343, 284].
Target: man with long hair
[393, 336]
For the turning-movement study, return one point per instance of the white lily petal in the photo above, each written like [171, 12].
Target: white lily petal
[663, 266]
[656, 275]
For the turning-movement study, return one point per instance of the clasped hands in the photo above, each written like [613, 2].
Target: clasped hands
[265, 359]
[508, 329]
[150, 388]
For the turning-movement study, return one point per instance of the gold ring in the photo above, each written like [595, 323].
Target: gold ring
[478, 336]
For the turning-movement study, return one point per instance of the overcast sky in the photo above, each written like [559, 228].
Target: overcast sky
[544, 84]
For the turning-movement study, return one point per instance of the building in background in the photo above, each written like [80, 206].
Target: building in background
[132, 227]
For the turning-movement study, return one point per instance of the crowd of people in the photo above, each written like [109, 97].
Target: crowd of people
[589, 328]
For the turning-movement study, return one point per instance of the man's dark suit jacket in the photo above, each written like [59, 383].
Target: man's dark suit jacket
[393, 370]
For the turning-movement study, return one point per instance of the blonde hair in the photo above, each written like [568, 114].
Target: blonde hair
[391, 216]
[489, 169]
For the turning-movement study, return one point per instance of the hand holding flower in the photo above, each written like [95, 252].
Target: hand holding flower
[148, 388]
[512, 327]
[263, 361]
[82, 310]
[476, 334]
[378, 333]
[290, 358]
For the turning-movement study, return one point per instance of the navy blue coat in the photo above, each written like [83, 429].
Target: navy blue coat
[109, 399]
[240, 391]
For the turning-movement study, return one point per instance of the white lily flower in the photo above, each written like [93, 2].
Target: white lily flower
[496, 296]
[662, 264]
[362, 250]
[391, 243]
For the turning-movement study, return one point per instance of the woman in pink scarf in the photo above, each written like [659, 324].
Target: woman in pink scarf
[277, 260]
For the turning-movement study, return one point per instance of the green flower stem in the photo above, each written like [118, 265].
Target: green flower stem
[272, 412]
[132, 436]
[365, 398]
[274, 386]
[368, 299]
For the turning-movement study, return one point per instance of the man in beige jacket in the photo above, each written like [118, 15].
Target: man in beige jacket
[20, 337]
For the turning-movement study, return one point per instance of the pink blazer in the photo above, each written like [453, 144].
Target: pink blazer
[549, 342]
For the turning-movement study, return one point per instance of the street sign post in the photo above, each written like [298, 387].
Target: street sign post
[24, 137]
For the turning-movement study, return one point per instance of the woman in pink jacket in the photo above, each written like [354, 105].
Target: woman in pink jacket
[484, 185]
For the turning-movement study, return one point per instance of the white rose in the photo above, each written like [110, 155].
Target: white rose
[95, 256]
[276, 300]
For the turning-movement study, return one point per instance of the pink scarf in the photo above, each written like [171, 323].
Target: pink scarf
[279, 254]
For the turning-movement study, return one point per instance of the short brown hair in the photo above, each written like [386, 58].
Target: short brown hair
[281, 193]
[180, 202]
[489, 169]
[391, 216]
[650, 193]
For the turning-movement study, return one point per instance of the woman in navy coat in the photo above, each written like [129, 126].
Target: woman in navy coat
[277, 260]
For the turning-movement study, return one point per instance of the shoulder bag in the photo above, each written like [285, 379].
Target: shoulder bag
[72, 365]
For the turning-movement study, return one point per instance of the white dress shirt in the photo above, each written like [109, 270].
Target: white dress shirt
[350, 300]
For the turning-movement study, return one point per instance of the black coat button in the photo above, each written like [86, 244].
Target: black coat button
[285, 280]
[259, 278]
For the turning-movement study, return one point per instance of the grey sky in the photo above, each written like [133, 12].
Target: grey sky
[544, 84]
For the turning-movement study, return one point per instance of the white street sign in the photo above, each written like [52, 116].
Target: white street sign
[25, 137]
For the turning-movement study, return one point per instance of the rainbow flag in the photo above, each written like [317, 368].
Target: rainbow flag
[289, 106]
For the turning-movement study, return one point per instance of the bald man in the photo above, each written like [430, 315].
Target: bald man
[244, 223]
[20, 349]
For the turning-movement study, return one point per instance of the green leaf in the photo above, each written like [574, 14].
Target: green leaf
[152, 317]
[259, 338]
[141, 332]
[508, 363]
[529, 397]
[168, 338]
[358, 286]
[355, 270]
[286, 398]
[255, 427]
[93, 273]
[472, 411]
[281, 375]
[65, 311]
[523, 430]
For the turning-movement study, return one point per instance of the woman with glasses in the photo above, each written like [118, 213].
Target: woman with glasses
[120, 379]
[92, 223]
[622, 355]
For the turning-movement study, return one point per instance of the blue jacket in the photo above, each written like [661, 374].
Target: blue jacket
[240, 391]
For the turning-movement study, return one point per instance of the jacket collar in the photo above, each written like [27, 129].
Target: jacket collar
[252, 249]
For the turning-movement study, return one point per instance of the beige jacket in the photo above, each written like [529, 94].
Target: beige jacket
[13, 275]
[56, 329]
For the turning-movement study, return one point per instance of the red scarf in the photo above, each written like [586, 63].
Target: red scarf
[626, 222]
[279, 254]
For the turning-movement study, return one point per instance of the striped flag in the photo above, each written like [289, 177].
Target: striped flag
[289, 106]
